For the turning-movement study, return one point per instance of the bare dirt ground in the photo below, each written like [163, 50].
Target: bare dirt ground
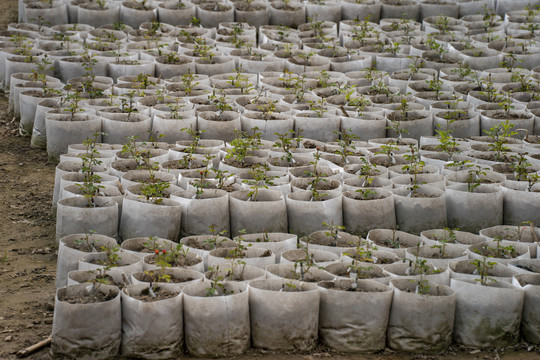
[28, 252]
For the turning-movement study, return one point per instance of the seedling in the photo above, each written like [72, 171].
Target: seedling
[394, 241]
[333, 231]
[172, 257]
[113, 259]
[303, 265]
[473, 179]
[213, 241]
[315, 178]
[318, 107]
[449, 236]
[419, 267]
[286, 143]
[520, 166]
[398, 129]
[367, 194]
[388, 150]
[499, 134]
[499, 251]
[435, 85]
[151, 244]
[413, 167]
[241, 81]
[217, 287]
[482, 268]
[242, 144]
[90, 186]
[238, 251]
[346, 143]
[367, 170]
[261, 179]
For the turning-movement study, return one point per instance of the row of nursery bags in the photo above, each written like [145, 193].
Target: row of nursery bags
[441, 199]
[227, 318]
[280, 254]
[134, 13]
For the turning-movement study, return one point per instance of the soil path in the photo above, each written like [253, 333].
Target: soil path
[28, 251]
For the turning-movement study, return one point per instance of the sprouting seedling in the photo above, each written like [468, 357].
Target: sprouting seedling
[398, 129]
[315, 178]
[91, 182]
[241, 81]
[474, 179]
[419, 267]
[500, 133]
[499, 251]
[520, 166]
[414, 166]
[435, 85]
[216, 284]
[306, 58]
[367, 170]
[302, 265]
[200, 184]
[112, 258]
[267, 109]
[367, 194]
[261, 179]
[286, 143]
[394, 241]
[482, 269]
[214, 239]
[441, 246]
[318, 106]
[333, 230]
[346, 143]
[238, 251]
[86, 242]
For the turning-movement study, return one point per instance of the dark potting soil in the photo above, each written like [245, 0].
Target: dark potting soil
[181, 261]
[126, 166]
[237, 164]
[512, 116]
[438, 256]
[409, 117]
[358, 196]
[493, 157]
[310, 145]
[218, 118]
[159, 292]
[230, 276]
[389, 243]
[344, 272]
[228, 188]
[427, 196]
[433, 147]
[350, 288]
[320, 186]
[413, 291]
[491, 252]
[277, 162]
[91, 297]
[82, 245]
[368, 259]
[103, 263]
[343, 240]
[207, 245]
[309, 278]
[150, 277]
[242, 255]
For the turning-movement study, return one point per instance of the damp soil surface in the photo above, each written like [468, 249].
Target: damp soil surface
[28, 254]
